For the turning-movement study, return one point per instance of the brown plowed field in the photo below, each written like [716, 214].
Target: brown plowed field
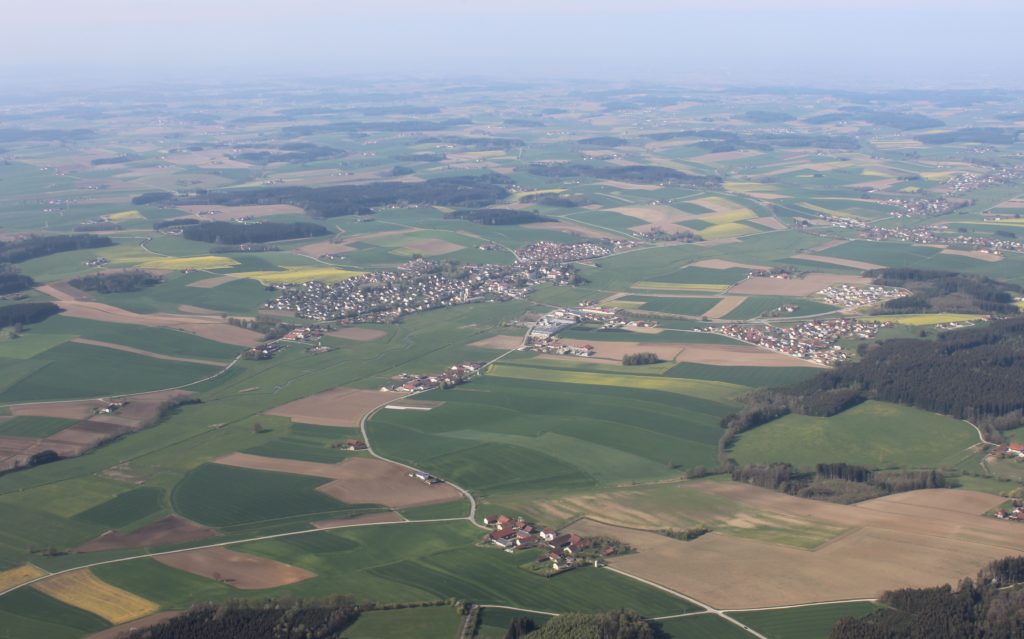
[769, 223]
[431, 247]
[319, 249]
[917, 539]
[738, 355]
[212, 282]
[62, 291]
[358, 334]
[241, 570]
[357, 480]
[975, 255]
[172, 529]
[726, 306]
[209, 326]
[343, 407]
[67, 410]
[797, 286]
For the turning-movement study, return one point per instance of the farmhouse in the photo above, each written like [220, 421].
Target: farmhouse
[355, 444]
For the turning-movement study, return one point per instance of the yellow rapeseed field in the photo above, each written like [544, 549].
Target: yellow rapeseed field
[124, 216]
[84, 590]
[729, 229]
[200, 262]
[302, 274]
[20, 575]
[696, 387]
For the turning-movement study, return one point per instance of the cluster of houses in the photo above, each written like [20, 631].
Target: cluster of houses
[815, 340]
[419, 285]
[959, 183]
[850, 296]
[1012, 450]
[939, 234]
[555, 252]
[922, 207]
[564, 549]
[264, 351]
[453, 376]
[1015, 512]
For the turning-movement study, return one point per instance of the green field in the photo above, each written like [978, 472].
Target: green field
[125, 508]
[83, 370]
[26, 426]
[504, 433]
[758, 305]
[235, 498]
[433, 621]
[873, 434]
[701, 627]
[808, 622]
[29, 614]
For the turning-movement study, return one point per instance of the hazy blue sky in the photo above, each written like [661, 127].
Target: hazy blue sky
[851, 43]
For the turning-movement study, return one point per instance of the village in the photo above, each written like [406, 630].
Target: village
[565, 551]
[420, 285]
[815, 340]
[849, 296]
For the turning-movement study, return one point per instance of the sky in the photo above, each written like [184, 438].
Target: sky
[851, 44]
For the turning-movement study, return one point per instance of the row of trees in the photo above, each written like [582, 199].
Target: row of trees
[987, 607]
[116, 281]
[258, 620]
[26, 313]
[837, 482]
[177, 221]
[43, 245]
[640, 359]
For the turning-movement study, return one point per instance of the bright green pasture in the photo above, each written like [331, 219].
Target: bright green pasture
[873, 434]
[805, 622]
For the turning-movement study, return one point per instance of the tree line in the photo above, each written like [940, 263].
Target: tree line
[42, 245]
[26, 313]
[837, 482]
[232, 233]
[116, 281]
[990, 606]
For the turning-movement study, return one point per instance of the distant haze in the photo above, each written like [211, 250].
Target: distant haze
[857, 43]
